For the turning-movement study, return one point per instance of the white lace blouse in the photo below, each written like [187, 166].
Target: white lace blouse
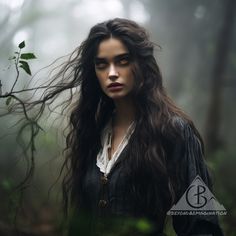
[103, 161]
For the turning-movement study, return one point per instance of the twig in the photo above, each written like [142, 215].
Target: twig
[17, 70]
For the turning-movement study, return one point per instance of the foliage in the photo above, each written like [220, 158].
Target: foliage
[223, 166]
[29, 126]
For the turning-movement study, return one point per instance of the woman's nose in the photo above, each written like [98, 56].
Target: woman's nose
[113, 73]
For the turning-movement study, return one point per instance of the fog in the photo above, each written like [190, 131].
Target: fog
[197, 45]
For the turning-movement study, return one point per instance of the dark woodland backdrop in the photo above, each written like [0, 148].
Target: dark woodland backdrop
[198, 62]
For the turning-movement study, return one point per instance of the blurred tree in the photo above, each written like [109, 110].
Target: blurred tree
[213, 124]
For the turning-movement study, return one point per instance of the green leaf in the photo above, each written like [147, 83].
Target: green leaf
[8, 100]
[27, 56]
[12, 58]
[21, 45]
[25, 66]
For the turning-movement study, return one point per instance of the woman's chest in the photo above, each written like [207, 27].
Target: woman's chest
[107, 195]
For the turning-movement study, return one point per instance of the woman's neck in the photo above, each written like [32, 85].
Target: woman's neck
[124, 112]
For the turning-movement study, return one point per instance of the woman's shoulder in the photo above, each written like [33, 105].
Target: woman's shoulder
[183, 136]
[178, 121]
[181, 122]
[178, 127]
[181, 133]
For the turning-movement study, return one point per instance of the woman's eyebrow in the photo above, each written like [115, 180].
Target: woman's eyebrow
[121, 56]
[115, 57]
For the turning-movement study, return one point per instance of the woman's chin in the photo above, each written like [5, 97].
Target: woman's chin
[117, 95]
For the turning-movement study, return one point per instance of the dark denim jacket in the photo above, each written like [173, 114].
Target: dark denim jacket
[107, 207]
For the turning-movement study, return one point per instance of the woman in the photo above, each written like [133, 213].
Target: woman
[132, 152]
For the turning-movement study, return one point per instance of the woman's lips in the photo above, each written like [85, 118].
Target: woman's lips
[115, 86]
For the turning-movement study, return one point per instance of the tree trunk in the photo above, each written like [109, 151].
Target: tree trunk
[213, 122]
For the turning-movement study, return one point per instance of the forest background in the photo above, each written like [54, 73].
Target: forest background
[198, 63]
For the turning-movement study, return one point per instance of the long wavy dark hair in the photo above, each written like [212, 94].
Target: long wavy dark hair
[153, 186]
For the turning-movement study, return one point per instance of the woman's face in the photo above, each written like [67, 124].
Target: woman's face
[113, 69]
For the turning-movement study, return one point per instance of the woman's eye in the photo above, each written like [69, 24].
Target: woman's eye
[124, 61]
[100, 65]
